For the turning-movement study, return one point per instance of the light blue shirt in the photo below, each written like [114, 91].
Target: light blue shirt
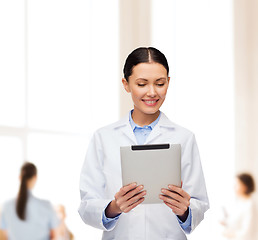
[141, 134]
[40, 220]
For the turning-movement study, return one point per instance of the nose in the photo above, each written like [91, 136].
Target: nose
[151, 91]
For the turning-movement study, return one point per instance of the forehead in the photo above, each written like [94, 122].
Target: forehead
[149, 71]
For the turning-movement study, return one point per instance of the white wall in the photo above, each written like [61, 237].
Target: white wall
[199, 48]
[246, 77]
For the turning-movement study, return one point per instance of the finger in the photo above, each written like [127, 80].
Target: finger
[178, 211]
[179, 190]
[175, 209]
[132, 200]
[172, 202]
[133, 192]
[136, 197]
[176, 197]
[123, 190]
[129, 208]
[122, 200]
[173, 195]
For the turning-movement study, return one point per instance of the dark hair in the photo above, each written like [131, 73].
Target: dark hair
[28, 171]
[143, 55]
[248, 181]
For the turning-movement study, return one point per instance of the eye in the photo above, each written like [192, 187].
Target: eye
[141, 84]
[161, 84]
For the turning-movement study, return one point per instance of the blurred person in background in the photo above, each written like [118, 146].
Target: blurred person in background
[239, 221]
[27, 217]
[1, 232]
[63, 233]
[2, 237]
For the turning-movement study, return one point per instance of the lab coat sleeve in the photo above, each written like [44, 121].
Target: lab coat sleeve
[194, 183]
[92, 186]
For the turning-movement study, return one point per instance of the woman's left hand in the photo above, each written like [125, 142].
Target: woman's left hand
[176, 199]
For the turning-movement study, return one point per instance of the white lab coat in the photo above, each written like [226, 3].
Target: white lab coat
[101, 179]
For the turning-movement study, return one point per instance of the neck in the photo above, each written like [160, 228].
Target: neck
[143, 119]
[244, 196]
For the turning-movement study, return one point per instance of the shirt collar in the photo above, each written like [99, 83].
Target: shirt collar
[134, 125]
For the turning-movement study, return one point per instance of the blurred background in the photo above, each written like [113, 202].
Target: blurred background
[60, 79]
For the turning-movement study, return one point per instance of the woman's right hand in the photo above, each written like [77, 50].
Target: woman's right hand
[125, 200]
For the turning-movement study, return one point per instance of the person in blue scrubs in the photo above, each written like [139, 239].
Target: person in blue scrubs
[27, 217]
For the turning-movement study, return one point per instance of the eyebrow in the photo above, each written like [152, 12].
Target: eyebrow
[162, 78]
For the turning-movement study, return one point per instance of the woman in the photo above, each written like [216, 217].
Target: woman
[117, 209]
[240, 220]
[28, 217]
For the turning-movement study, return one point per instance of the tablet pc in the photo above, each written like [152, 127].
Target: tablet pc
[152, 165]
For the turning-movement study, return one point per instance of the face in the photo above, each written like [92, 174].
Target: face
[31, 182]
[148, 86]
[240, 188]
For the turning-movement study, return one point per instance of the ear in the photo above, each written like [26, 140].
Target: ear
[168, 80]
[126, 85]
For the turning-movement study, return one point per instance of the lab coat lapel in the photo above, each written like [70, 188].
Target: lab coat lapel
[155, 133]
[162, 126]
[126, 129]
[128, 132]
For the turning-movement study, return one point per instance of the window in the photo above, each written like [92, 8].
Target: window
[56, 88]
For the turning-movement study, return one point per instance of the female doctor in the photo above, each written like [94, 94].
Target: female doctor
[117, 209]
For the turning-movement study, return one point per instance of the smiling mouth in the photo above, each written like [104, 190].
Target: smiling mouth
[150, 102]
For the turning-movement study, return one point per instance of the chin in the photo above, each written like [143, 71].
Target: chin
[147, 110]
[151, 112]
